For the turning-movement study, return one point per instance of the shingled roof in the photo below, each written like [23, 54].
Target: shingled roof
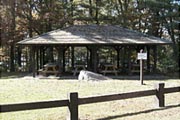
[93, 34]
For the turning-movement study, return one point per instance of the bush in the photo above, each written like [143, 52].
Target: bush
[167, 61]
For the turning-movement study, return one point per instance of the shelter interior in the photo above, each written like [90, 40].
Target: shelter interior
[68, 58]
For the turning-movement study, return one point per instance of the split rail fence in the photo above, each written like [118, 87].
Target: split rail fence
[74, 101]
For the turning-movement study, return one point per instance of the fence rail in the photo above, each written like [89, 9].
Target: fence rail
[106, 98]
[33, 105]
[171, 90]
[73, 101]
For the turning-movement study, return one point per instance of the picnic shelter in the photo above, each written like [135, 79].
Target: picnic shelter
[64, 47]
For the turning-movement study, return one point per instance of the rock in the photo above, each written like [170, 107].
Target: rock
[88, 75]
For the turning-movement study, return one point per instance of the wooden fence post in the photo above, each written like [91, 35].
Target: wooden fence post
[73, 106]
[160, 95]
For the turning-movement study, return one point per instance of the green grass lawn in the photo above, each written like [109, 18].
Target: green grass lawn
[27, 89]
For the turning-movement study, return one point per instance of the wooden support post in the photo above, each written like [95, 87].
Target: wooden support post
[33, 62]
[160, 95]
[118, 58]
[37, 60]
[155, 58]
[30, 57]
[64, 51]
[94, 58]
[117, 48]
[123, 59]
[60, 60]
[41, 57]
[129, 61]
[73, 106]
[89, 58]
[72, 57]
[19, 50]
[148, 59]
[50, 54]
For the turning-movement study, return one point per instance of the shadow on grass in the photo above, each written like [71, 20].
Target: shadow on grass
[140, 112]
[146, 77]
[10, 75]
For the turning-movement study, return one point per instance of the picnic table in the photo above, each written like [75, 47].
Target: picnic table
[109, 68]
[78, 68]
[135, 68]
[49, 69]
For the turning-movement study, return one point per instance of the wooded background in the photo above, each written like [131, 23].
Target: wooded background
[20, 19]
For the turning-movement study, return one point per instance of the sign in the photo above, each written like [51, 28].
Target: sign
[142, 56]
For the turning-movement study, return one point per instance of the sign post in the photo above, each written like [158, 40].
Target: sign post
[142, 56]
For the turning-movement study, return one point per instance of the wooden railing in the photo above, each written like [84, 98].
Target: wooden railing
[73, 101]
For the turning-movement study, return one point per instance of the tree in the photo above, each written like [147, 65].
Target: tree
[8, 27]
[26, 18]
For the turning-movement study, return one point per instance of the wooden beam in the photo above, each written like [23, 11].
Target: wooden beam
[63, 69]
[172, 90]
[105, 98]
[94, 58]
[41, 57]
[123, 51]
[129, 60]
[37, 60]
[72, 57]
[118, 48]
[33, 105]
[60, 59]
[155, 58]
[118, 54]
[51, 53]
[89, 60]
[148, 58]
[33, 61]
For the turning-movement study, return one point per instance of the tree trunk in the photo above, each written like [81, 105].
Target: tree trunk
[19, 56]
[97, 12]
[30, 21]
[90, 8]
[13, 12]
[12, 67]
